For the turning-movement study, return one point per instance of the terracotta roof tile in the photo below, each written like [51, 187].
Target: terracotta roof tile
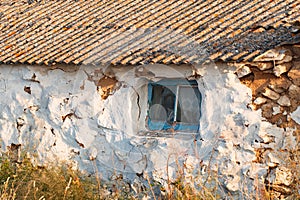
[137, 32]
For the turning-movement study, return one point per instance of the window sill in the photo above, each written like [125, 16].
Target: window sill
[170, 134]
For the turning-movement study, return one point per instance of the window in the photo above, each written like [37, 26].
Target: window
[174, 104]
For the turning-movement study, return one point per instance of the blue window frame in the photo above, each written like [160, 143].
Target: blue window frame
[174, 104]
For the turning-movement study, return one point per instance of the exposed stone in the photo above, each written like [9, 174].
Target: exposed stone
[286, 58]
[242, 71]
[294, 73]
[246, 80]
[281, 176]
[294, 96]
[274, 194]
[232, 183]
[284, 112]
[271, 94]
[267, 110]
[274, 114]
[284, 101]
[295, 49]
[281, 191]
[289, 141]
[106, 86]
[276, 110]
[272, 160]
[294, 90]
[279, 119]
[260, 100]
[278, 54]
[258, 81]
[280, 85]
[265, 65]
[277, 78]
[266, 137]
[281, 68]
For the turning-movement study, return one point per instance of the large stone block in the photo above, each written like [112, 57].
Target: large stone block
[280, 85]
[280, 55]
[284, 101]
[270, 94]
[281, 68]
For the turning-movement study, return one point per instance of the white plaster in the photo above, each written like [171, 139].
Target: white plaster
[64, 118]
[296, 115]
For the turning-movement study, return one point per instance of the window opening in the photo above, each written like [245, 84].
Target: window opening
[174, 104]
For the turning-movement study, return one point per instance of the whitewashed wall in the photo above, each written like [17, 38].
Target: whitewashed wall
[62, 117]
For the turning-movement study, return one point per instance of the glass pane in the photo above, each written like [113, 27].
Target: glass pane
[157, 113]
[165, 97]
[188, 107]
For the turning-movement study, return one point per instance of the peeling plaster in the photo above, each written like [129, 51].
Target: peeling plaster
[64, 118]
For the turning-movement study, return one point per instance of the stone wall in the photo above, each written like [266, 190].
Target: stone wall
[94, 117]
[274, 78]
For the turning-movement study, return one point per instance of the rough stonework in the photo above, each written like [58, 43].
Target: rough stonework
[275, 90]
[274, 81]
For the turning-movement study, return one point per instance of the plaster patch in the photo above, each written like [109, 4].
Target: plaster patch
[296, 115]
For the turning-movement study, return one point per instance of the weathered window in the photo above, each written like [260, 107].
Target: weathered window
[174, 104]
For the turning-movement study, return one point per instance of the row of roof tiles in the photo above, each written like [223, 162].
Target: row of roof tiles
[140, 32]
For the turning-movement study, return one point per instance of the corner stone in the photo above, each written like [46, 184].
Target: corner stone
[281, 68]
[243, 71]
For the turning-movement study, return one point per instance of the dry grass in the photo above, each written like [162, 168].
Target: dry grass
[22, 180]
[25, 181]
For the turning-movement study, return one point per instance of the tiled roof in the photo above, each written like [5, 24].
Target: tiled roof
[143, 31]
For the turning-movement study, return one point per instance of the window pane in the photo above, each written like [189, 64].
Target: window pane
[165, 97]
[188, 107]
[157, 113]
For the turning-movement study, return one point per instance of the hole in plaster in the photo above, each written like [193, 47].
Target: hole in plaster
[33, 78]
[106, 86]
[14, 147]
[66, 100]
[27, 89]
[20, 123]
[65, 116]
